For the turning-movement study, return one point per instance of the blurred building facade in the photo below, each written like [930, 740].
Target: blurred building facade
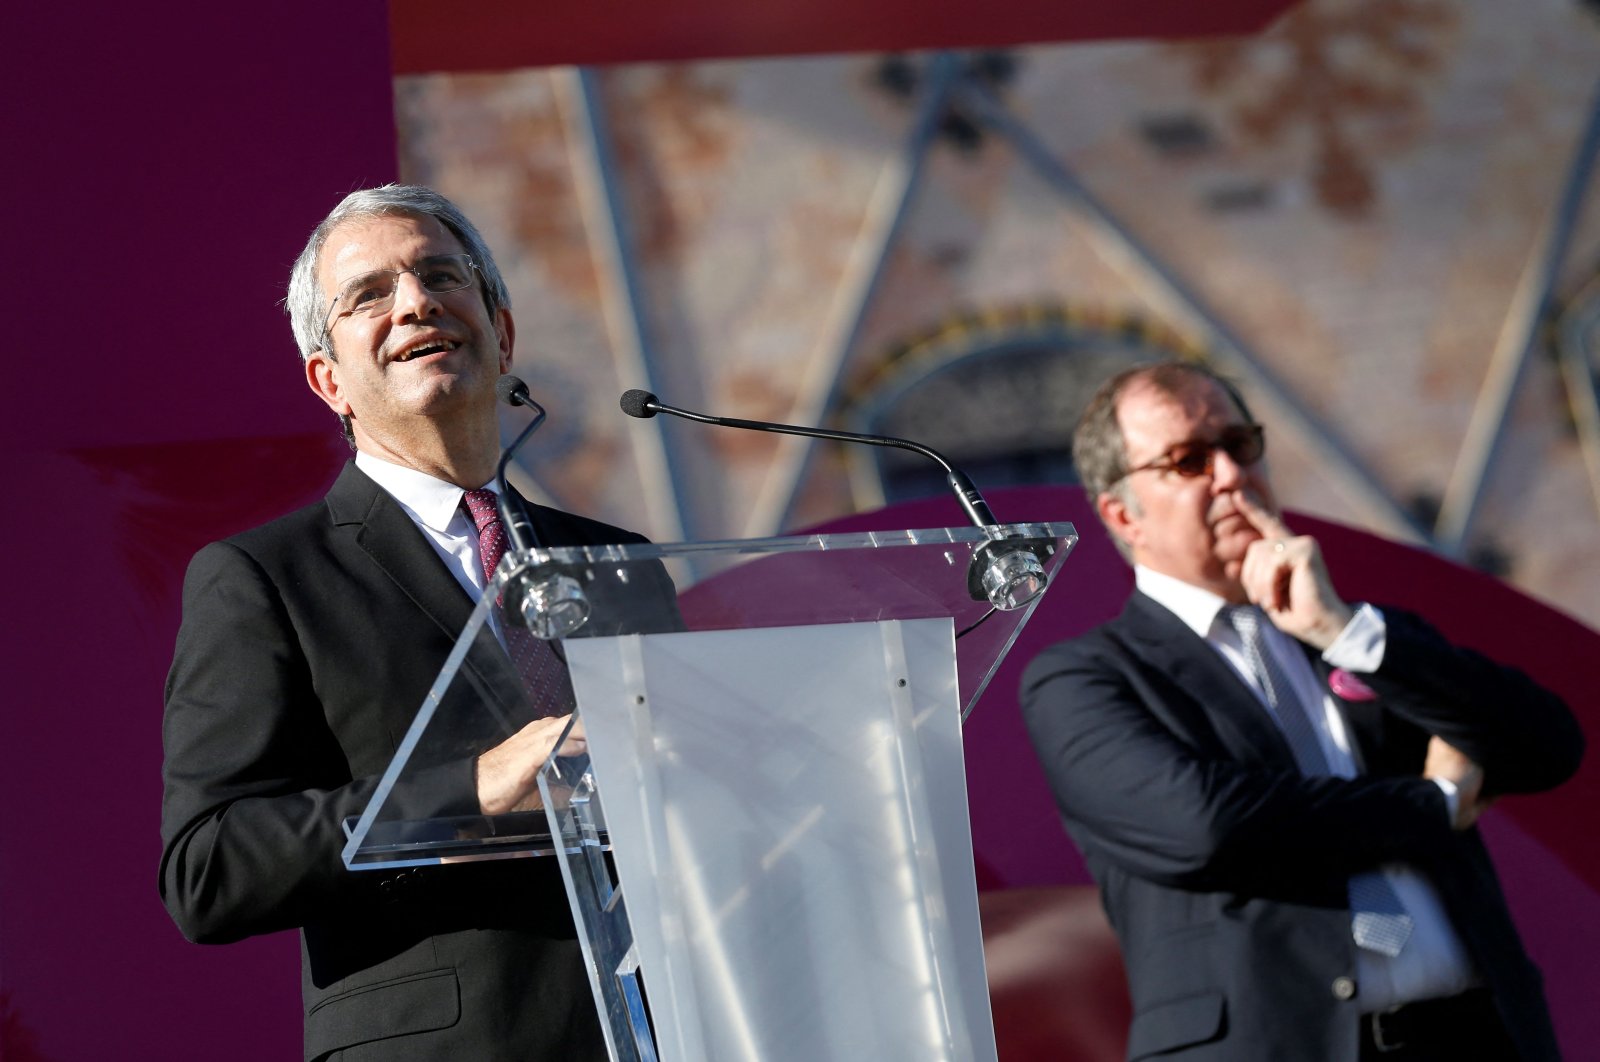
[1381, 217]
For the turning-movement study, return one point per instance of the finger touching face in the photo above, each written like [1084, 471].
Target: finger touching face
[1254, 509]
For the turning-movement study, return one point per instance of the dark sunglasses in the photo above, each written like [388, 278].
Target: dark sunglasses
[1243, 443]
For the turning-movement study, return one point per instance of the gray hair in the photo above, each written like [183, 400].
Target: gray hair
[1099, 450]
[307, 304]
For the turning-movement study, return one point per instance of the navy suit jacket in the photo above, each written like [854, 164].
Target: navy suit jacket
[306, 647]
[1224, 871]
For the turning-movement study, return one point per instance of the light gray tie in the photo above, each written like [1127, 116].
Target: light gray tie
[1379, 920]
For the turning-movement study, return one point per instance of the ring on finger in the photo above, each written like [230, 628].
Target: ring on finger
[1278, 546]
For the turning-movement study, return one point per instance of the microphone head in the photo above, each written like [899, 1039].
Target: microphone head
[512, 391]
[637, 403]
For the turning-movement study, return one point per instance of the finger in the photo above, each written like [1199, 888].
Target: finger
[1252, 570]
[1266, 573]
[1282, 575]
[575, 743]
[1259, 517]
[556, 723]
[1274, 571]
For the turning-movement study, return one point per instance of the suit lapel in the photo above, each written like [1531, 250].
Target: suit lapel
[1172, 648]
[386, 534]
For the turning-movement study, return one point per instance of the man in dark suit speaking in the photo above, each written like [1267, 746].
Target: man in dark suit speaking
[1276, 789]
[308, 644]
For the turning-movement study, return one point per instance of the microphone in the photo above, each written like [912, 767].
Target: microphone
[1008, 572]
[644, 405]
[550, 605]
[513, 392]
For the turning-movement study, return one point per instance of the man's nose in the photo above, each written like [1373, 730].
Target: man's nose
[412, 300]
[1226, 473]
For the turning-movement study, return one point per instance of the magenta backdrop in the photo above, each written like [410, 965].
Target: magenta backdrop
[165, 162]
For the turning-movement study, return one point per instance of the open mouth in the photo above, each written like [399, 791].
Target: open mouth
[422, 350]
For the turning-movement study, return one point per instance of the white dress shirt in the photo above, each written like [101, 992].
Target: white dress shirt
[1434, 962]
[434, 505]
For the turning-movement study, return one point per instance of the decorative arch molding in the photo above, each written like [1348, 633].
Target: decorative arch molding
[997, 389]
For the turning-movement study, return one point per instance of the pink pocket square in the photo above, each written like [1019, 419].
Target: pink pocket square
[1346, 685]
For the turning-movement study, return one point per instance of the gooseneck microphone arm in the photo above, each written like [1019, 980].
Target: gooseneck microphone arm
[644, 405]
[551, 604]
[519, 528]
[1007, 570]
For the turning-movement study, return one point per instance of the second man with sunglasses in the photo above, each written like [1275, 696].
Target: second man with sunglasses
[1275, 788]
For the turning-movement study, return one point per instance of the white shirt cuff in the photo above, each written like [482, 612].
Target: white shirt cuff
[1359, 647]
[1452, 795]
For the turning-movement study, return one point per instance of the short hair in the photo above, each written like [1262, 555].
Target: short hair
[306, 303]
[1099, 450]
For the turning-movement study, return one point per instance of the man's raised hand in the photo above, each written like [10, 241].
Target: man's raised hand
[1284, 574]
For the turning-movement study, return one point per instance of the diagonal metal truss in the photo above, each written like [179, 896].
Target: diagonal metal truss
[1578, 341]
[1519, 339]
[948, 84]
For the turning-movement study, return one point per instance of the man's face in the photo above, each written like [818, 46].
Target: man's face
[1186, 527]
[431, 357]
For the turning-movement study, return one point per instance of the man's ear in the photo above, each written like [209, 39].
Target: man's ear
[1118, 516]
[322, 376]
[505, 330]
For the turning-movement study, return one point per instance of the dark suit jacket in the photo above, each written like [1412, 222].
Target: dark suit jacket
[1224, 870]
[307, 646]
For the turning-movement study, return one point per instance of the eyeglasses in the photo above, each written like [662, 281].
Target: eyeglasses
[1243, 443]
[373, 293]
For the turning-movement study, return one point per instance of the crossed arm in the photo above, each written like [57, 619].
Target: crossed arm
[1144, 780]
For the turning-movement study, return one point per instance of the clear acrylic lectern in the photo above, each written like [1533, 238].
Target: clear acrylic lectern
[782, 868]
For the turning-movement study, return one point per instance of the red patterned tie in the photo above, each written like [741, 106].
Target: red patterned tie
[544, 673]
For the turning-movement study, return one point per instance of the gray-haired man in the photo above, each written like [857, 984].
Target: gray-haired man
[308, 643]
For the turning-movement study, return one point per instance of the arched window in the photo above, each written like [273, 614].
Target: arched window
[997, 392]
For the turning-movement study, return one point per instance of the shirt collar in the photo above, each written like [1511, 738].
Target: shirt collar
[428, 500]
[1196, 607]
